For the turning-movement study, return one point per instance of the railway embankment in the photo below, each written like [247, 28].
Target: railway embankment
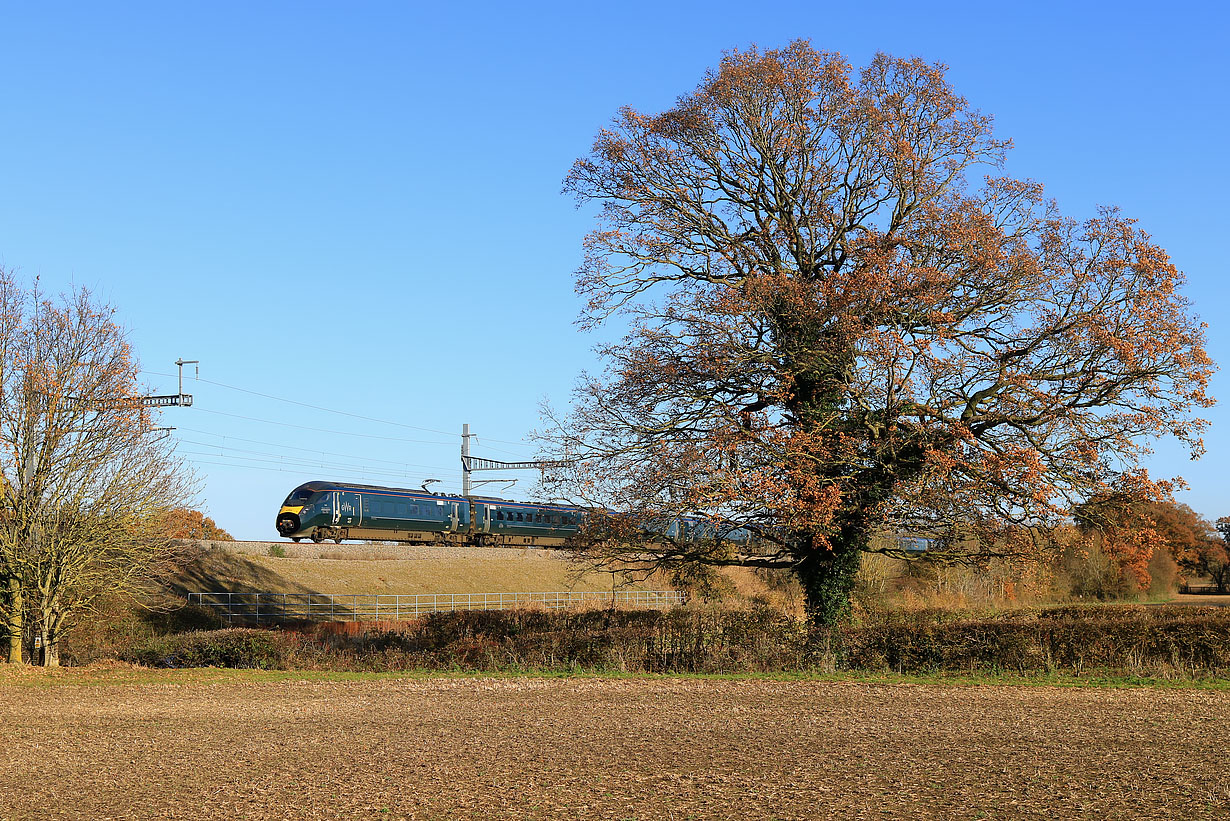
[375, 552]
[286, 567]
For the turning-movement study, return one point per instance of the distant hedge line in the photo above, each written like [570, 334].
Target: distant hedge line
[1167, 642]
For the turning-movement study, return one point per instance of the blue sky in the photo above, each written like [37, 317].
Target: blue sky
[357, 206]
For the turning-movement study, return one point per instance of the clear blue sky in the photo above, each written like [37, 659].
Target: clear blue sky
[356, 205]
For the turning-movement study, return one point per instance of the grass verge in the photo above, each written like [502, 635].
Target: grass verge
[131, 675]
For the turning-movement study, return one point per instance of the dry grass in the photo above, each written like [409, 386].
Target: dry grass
[601, 748]
[369, 569]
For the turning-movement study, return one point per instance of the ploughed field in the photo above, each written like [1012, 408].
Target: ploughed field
[225, 746]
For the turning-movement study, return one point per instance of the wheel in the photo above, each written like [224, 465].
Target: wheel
[296, 539]
[318, 537]
[337, 539]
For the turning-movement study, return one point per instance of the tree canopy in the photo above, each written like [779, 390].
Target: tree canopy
[186, 523]
[835, 334]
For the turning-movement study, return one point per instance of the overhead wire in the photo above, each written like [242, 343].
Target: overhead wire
[445, 484]
[315, 462]
[321, 430]
[365, 459]
[283, 463]
[331, 410]
[307, 404]
[306, 465]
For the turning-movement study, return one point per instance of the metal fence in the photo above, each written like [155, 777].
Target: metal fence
[1203, 589]
[386, 607]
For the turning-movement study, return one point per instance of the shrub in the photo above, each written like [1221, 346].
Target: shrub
[243, 648]
[117, 624]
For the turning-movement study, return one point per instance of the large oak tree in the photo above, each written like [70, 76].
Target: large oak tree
[835, 334]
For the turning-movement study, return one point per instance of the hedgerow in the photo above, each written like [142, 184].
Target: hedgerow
[1168, 642]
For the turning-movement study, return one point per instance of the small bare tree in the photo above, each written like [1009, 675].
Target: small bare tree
[83, 483]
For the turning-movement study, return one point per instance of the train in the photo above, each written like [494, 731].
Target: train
[337, 511]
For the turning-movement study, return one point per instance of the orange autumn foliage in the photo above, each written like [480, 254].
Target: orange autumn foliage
[1131, 530]
[185, 523]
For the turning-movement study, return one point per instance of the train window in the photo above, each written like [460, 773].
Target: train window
[537, 517]
[554, 520]
[499, 514]
[520, 517]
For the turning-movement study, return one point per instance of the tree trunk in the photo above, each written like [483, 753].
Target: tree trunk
[13, 623]
[51, 650]
[828, 578]
[50, 632]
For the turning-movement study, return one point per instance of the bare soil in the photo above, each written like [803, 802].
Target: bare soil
[606, 748]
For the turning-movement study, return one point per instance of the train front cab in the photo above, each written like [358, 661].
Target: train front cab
[311, 510]
[290, 517]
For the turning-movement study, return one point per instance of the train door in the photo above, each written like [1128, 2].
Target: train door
[346, 509]
[453, 517]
